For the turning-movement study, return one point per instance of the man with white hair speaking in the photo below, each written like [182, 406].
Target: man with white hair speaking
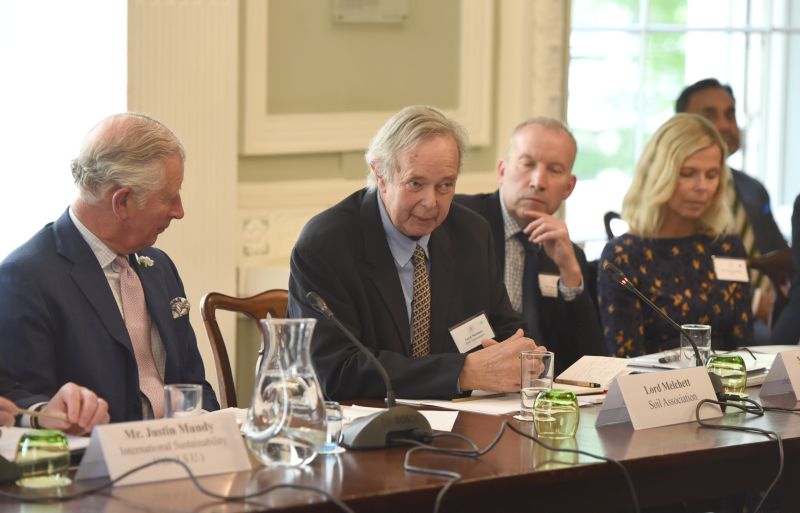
[87, 299]
[401, 266]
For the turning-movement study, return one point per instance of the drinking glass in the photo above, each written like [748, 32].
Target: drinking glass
[43, 459]
[536, 375]
[731, 371]
[701, 335]
[333, 429]
[183, 400]
[556, 414]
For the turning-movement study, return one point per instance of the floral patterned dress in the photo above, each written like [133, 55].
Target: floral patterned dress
[678, 276]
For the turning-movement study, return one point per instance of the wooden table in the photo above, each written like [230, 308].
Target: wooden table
[674, 463]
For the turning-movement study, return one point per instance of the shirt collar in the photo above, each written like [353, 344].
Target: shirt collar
[102, 252]
[402, 247]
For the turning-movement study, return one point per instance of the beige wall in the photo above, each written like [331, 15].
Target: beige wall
[246, 210]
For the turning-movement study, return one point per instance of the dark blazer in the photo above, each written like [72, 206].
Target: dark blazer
[755, 200]
[343, 255]
[11, 390]
[570, 329]
[59, 322]
[787, 327]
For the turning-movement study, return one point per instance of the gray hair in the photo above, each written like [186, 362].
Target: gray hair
[546, 122]
[125, 150]
[404, 131]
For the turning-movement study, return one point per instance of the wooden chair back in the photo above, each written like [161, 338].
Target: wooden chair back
[273, 302]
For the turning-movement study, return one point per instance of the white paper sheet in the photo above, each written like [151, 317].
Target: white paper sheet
[439, 420]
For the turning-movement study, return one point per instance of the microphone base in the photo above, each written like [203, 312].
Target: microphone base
[376, 430]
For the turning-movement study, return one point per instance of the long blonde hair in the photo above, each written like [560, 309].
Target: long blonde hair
[658, 170]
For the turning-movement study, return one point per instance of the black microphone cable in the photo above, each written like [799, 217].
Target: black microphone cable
[757, 410]
[475, 452]
[205, 491]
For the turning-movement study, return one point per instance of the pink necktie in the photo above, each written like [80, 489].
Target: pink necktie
[136, 321]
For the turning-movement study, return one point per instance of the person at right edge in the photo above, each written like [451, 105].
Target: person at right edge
[679, 222]
[787, 326]
[749, 200]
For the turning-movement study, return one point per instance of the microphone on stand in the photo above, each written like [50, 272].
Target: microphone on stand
[618, 276]
[378, 429]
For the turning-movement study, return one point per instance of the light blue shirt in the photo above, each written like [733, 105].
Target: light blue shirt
[402, 249]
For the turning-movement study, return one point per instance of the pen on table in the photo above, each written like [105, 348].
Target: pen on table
[34, 413]
[670, 358]
[587, 384]
[476, 397]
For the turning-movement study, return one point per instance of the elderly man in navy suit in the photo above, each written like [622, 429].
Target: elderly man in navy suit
[402, 267]
[87, 299]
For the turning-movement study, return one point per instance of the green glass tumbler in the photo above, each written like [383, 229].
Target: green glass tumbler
[556, 414]
[43, 459]
[731, 371]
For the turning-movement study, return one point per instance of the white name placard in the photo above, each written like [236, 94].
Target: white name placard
[730, 269]
[548, 285]
[470, 333]
[658, 398]
[784, 375]
[208, 444]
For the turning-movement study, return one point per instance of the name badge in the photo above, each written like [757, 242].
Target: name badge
[468, 334]
[208, 444]
[784, 375]
[548, 285]
[730, 269]
[658, 399]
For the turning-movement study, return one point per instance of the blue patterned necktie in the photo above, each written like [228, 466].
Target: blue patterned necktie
[530, 288]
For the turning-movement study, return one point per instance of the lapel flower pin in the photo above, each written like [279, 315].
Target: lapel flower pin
[144, 261]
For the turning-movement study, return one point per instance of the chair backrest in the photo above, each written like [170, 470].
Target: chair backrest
[609, 224]
[272, 302]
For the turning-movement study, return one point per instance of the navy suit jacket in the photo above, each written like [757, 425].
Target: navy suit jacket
[787, 327]
[342, 254]
[11, 390]
[59, 322]
[755, 200]
[570, 329]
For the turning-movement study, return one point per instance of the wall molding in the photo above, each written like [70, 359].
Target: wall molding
[271, 215]
[265, 133]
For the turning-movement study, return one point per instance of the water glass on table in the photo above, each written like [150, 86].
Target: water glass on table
[183, 400]
[43, 459]
[701, 335]
[333, 429]
[536, 375]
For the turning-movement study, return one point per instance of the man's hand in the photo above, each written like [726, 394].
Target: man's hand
[8, 411]
[496, 366]
[80, 406]
[552, 233]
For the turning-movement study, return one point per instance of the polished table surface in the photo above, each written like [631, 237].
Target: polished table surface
[684, 462]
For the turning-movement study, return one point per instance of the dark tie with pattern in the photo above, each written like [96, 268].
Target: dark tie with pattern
[530, 288]
[420, 307]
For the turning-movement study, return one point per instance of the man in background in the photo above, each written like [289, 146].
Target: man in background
[87, 299]
[748, 198]
[544, 272]
[402, 266]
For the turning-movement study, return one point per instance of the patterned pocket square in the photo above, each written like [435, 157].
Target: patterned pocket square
[179, 307]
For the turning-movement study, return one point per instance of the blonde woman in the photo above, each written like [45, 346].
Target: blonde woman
[677, 218]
